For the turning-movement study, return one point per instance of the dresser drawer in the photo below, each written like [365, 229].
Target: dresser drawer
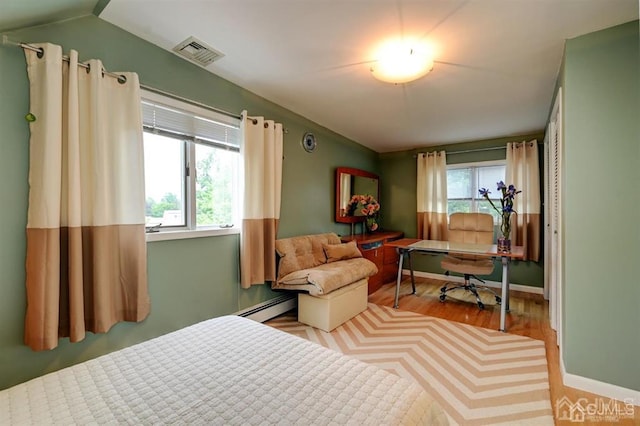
[386, 259]
[375, 255]
[390, 255]
[389, 273]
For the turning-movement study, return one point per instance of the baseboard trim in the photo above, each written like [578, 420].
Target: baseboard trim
[270, 309]
[495, 284]
[600, 388]
[603, 389]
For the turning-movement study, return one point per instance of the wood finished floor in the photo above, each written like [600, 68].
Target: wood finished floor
[529, 317]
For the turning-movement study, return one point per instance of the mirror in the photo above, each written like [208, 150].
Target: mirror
[350, 182]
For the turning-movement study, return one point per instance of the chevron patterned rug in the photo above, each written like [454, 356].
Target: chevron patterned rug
[479, 376]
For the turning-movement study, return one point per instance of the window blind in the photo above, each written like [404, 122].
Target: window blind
[217, 130]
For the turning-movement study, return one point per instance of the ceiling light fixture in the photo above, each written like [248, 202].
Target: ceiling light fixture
[401, 62]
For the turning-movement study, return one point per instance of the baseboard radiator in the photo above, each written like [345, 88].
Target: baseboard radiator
[270, 309]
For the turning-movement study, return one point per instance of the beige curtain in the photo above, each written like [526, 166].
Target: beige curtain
[261, 151]
[523, 171]
[86, 251]
[432, 196]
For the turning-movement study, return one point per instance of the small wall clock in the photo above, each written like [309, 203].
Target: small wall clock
[309, 142]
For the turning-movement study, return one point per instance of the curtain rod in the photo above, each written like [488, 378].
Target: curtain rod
[5, 40]
[122, 79]
[201, 105]
[40, 51]
[190, 101]
[465, 151]
[205, 106]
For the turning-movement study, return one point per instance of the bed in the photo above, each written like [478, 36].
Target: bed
[227, 370]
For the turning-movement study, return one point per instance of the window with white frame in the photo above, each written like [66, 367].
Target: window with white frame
[192, 162]
[464, 182]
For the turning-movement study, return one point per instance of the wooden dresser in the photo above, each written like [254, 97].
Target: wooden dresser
[385, 258]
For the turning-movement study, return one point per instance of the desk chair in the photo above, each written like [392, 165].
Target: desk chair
[476, 228]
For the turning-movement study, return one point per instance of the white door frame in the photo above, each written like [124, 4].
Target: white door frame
[553, 217]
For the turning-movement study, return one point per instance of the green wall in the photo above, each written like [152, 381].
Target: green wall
[194, 279]
[399, 170]
[601, 205]
[189, 280]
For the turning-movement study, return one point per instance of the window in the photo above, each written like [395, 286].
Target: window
[192, 162]
[464, 181]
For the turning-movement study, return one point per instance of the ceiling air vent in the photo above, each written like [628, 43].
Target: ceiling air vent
[198, 52]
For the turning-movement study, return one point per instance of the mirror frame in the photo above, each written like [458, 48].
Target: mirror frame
[354, 172]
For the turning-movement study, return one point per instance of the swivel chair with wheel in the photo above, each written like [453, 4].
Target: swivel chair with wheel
[474, 228]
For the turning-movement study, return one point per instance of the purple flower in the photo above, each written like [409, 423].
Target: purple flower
[506, 205]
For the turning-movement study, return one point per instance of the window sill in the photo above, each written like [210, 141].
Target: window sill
[181, 235]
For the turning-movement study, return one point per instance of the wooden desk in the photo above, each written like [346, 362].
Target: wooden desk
[373, 248]
[406, 246]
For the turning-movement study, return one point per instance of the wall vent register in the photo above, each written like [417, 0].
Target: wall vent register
[198, 52]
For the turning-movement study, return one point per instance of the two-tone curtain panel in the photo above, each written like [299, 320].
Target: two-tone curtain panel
[432, 196]
[261, 151]
[523, 171]
[86, 266]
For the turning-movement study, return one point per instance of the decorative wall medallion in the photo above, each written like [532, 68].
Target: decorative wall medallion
[309, 142]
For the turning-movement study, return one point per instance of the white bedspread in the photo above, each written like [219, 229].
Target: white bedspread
[227, 370]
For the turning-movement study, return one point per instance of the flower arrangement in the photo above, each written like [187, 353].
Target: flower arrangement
[508, 194]
[369, 208]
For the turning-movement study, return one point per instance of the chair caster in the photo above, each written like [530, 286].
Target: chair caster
[442, 297]
[443, 289]
[481, 305]
[498, 300]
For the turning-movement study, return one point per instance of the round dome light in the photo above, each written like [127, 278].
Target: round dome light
[399, 62]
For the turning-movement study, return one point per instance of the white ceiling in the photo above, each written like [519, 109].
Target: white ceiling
[496, 63]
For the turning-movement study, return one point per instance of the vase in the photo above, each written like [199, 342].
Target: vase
[371, 225]
[504, 245]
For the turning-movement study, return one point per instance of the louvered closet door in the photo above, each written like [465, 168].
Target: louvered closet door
[553, 229]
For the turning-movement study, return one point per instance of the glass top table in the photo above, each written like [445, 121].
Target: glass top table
[434, 246]
[406, 246]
